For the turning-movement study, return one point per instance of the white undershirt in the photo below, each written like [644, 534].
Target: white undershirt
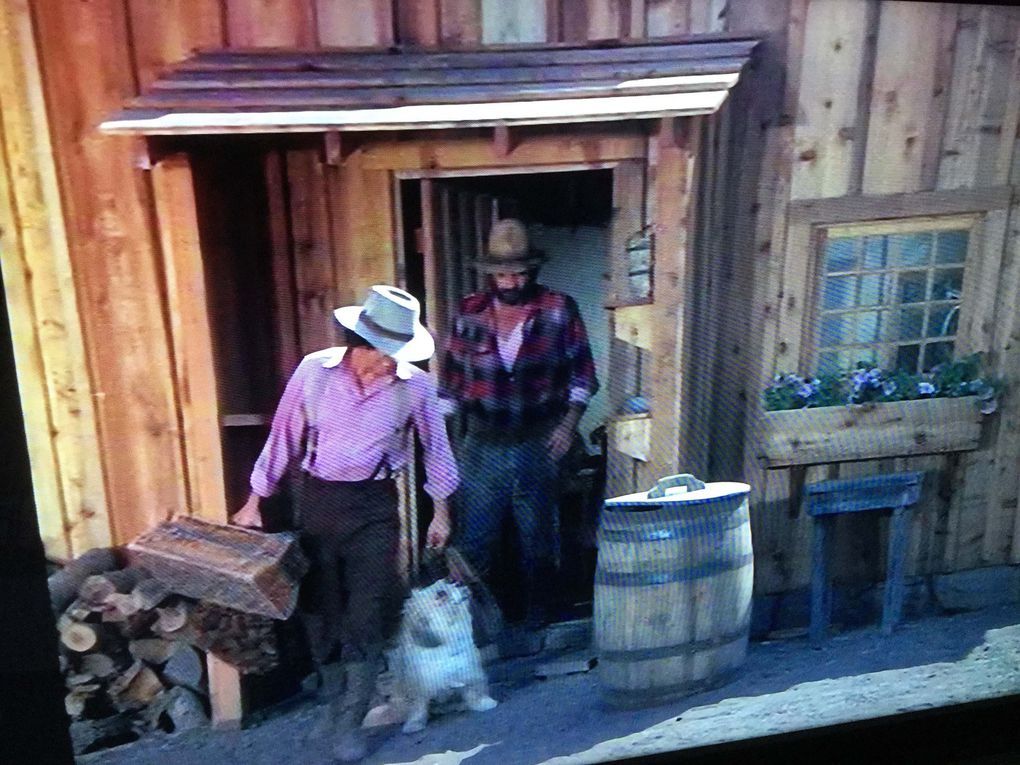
[510, 346]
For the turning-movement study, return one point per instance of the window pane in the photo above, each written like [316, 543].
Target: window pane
[835, 329]
[911, 324]
[839, 255]
[910, 250]
[947, 284]
[871, 291]
[865, 356]
[875, 253]
[912, 286]
[951, 247]
[869, 327]
[937, 353]
[839, 292]
[906, 357]
[943, 320]
[828, 363]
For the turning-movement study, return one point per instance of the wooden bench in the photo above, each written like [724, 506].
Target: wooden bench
[897, 493]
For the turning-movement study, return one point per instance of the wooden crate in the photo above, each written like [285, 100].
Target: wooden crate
[868, 431]
[230, 566]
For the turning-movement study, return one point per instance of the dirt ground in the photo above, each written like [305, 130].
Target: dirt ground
[785, 685]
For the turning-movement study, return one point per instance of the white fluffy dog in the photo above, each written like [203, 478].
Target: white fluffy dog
[435, 658]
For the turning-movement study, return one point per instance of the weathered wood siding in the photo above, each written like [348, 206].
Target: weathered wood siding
[851, 98]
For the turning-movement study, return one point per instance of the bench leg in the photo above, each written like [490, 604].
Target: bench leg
[821, 587]
[899, 534]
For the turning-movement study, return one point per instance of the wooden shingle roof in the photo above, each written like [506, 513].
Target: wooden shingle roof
[294, 91]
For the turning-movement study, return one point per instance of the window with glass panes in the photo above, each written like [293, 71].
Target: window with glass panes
[890, 299]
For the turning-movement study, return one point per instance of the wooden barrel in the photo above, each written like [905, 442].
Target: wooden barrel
[672, 591]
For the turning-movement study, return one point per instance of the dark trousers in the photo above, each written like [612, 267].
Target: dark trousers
[501, 474]
[353, 591]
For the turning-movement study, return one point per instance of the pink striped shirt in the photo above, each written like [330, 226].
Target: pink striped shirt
[355, 430]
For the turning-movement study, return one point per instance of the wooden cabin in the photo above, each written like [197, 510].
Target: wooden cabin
[188, 187]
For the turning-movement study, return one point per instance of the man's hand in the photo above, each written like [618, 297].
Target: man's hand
[559, 441]
[249, 515]
[562, 436]
[438, 533]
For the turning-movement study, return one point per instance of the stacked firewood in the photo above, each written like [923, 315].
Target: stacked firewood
[132, 650]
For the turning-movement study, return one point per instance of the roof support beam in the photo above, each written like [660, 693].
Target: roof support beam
[673, 133]
[503, 140]
[333, 148]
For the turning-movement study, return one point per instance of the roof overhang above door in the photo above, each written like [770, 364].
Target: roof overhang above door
[291, 91]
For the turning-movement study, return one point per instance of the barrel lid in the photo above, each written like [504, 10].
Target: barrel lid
[680, 495]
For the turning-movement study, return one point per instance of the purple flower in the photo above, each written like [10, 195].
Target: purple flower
[806, 390]
[925, 388]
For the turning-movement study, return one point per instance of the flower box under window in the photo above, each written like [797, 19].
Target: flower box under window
[869, 431]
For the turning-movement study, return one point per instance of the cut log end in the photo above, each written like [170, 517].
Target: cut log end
[98, 665]
[78, 637]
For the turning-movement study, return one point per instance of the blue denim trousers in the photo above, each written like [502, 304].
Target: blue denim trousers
[501, 474]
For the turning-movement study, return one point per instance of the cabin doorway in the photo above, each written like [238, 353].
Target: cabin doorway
[444, 224]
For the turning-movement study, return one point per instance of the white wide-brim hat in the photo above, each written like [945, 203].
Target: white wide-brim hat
[390, 320]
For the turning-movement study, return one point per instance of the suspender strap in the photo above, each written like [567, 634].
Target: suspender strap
[314, 389]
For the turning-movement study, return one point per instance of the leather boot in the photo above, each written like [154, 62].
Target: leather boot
[351, 710]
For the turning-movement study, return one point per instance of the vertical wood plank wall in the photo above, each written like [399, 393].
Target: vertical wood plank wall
[850, 97]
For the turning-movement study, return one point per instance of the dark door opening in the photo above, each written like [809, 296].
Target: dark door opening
[445, 226]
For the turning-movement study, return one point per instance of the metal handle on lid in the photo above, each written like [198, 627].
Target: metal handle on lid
[669, 482]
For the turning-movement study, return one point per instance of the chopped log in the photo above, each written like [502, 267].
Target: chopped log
[87, 735]
[78, 679]
[119, 606]
[97, 588]
[185, 668]
[124, 679]
[74, 703]
[64, 584]
[143, 687]
[173, 617]
[98, 665]
[149, 593]
[235, 637]
[185, 710]
[138, 624]
[77, 636]
[154, 651]
[80, 611]
[239, 568]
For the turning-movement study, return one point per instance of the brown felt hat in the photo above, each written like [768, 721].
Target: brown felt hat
[508, 249]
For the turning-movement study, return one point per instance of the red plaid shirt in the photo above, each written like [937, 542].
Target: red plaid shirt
[554, 366]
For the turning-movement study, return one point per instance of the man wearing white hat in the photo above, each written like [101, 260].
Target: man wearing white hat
[520, 369]
[346, 417]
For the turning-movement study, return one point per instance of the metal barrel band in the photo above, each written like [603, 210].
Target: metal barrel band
[672, 531]
[673, 651]
[622, 698]
[642, 578]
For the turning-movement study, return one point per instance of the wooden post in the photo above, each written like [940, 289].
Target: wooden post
[177, 218]
[53, 376]
[673, 166]
[194, 361]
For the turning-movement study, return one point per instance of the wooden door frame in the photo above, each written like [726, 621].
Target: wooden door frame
[670, 158]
